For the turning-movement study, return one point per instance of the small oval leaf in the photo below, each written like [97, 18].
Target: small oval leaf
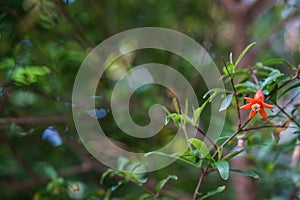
[223, 168]
[226, 102]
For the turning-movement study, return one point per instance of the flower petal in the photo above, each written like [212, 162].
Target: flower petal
[248, 99]
[263, 114]
[259, 95]
[265, 105]
[251, 114]
[246, 107]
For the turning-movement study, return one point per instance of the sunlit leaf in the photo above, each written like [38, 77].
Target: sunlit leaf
[229, 68]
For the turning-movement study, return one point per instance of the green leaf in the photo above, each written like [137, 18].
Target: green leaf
[114, 187]
[29, 74]
[233, 154]
[223, 168]
[163, 182]
[246, 87]
[106, 173]
[51, 173]
[213, 192]
[200, 146]
[243, 54]
[250, 173]
[226, 102]
[187, 156]
[272, 77]
[213, 93]
[277, 61]
[228, 68]
[198, 112]
[175, 117]
[290, 88]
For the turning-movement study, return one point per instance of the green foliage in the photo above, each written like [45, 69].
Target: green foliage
[163, 182]
[223, 168]
[213, 192]
[43, 44]
[226, 102]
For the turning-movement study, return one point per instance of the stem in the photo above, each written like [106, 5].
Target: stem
[267, 126]
[286, 114]
[201, 179]
[205, 136]
[296, 76]
[231, 137]
[234, 93]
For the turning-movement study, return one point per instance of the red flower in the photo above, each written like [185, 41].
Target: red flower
[256, 104]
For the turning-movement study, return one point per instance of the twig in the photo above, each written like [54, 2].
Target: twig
[206, 137]
[201, 179]
[286, 114]
[285, 83]
[33, 120]
[267, 126]
[232, 136]
[39, 180]
[253, 75]
[234, 93]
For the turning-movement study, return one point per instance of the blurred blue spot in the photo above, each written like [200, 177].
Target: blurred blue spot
[1, 91]
[52, 136]
[97, 113]
[26, 43]
[68, 1]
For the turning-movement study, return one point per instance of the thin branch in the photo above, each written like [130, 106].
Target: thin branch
[280, 87]
[234, 93]
[232, 136]
[205, 136]
[266, 126]
[33, 120]
[40, 180]
[200, 181]
[286, 114]
[253, 75]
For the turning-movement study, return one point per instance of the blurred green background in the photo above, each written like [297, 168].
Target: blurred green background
[42, 45]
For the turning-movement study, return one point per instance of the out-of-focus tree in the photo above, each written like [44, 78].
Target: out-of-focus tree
[42, 45]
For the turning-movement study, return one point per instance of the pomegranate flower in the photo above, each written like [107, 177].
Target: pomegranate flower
[256, 104]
